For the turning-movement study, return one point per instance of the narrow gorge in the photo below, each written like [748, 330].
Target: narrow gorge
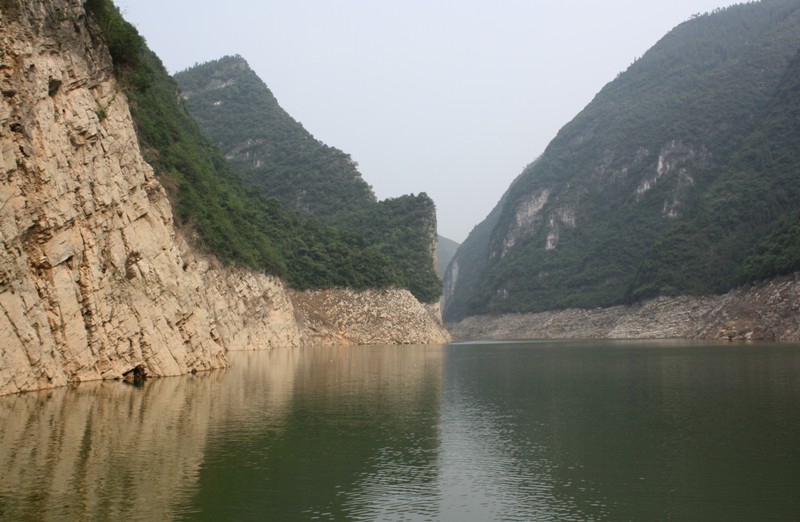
[95, 279]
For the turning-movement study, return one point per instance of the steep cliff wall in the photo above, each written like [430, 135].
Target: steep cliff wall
[94, 280]
[768, 311]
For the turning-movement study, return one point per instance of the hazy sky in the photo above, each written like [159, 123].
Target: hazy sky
[452, 98]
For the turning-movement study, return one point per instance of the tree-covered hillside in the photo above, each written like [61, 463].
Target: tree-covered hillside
[266, 146]
[279, 159]
[233, 222]
[680, 177]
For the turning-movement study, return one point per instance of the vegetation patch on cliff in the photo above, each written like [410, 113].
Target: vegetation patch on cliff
[235, 222]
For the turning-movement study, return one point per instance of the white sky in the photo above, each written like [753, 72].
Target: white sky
[452, 98]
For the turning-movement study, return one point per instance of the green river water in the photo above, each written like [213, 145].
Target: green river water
[475, 431]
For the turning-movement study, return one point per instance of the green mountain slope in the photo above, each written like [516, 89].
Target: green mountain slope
[279, 159]
[229, 220]
[266, 146]
[680, 177]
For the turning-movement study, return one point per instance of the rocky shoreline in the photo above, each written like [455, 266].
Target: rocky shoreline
[768, 311]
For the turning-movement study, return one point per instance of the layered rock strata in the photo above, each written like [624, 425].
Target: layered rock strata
[94, 279]
[768, 311]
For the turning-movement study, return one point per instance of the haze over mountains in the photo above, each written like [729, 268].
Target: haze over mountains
[425, 96]
[681, 177]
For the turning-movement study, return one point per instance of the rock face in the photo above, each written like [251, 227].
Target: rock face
[376, 317]
[94, 278]
[770, 311]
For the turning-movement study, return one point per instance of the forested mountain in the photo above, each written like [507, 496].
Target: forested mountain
[270, 150]
[278, 158]
[682, 176]
[231, 220]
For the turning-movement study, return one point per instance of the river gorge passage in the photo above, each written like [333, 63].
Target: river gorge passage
[468, 431]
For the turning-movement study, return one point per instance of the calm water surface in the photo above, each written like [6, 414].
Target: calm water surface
[477, 431]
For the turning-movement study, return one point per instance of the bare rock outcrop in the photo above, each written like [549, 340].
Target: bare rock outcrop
[766, 311]
[330, 317]
[94, 278]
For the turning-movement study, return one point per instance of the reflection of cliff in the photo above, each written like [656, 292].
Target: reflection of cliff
[331, 422]
[100, 451]
[392, 376]
[257, 389]
[106, 450]
[357, 417]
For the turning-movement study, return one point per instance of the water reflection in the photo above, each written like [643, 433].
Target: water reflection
[624, 431]
[500, 449]
[103, 450]
[505, 431]
[359, 439]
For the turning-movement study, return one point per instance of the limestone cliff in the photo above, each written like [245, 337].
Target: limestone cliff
[94, 279]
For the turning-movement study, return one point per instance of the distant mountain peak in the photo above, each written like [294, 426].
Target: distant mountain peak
[280, 159]
[224, 72]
